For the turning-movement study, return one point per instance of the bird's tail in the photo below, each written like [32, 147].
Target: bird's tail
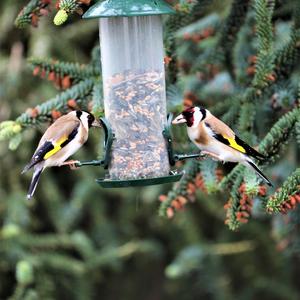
[26, 168]
[251, 164]
[34, 181]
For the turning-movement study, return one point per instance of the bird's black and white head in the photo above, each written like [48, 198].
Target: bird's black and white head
[87, 119]
[192, 116]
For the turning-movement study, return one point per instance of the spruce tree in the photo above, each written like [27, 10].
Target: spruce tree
[239, 59]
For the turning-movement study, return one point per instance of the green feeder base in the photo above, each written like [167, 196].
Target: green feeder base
[107, 183]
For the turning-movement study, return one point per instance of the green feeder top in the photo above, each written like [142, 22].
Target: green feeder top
[128, 8]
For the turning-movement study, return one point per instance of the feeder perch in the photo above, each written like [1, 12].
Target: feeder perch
[138, 142]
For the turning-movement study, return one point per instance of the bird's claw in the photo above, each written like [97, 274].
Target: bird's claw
[72, 164]
[74, 167]
[211, 155]
[200, 157]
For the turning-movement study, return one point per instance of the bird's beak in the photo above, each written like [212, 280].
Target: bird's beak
[179, 119]
[96, 123]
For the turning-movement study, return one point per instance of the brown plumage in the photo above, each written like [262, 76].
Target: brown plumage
[61, 128]
[202, 137]
[218, 126]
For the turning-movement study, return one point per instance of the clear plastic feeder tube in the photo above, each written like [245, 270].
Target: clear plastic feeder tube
[134, 95]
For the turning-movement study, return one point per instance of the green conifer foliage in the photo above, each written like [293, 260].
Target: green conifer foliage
[219, 233]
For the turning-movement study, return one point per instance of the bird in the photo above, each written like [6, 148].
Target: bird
[217, 140]
[61, 140]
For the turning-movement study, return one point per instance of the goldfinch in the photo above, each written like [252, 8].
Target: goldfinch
[216, 139]
[61, 140]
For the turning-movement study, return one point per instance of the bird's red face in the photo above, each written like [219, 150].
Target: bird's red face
[192, 116]
[187, 116]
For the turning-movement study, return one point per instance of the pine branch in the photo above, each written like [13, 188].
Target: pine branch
[264, 64]
[251, 183]
[201, 29]
[283, 97]
[37, 243]
[265, 58]
[181, 192]
[297, 128]
[31, 13]
[279, 134]
[233, 204]
[80, 93]
[221, 52]
[243, 52]
[288, 56]
[292, 232]
[239, 206]
[61, 263]
[18, 292]
[232, 112]
[230, 29]
[98, 105]
[108, 256]
[9, 129]
[61, 73]
[289, 188]
[66, 7]
[296, 15]
[246, 119]
[229, 180]
[208, 171]
[222, 107]
[187, 12]
[265, 71]
[95, 57]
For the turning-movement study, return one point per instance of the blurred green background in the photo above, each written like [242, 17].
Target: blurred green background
[78, 241]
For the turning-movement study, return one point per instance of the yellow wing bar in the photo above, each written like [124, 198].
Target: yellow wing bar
[57, 147]
[235, 145]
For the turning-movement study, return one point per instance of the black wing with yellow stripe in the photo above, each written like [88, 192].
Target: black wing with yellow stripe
[48, 149]
[239, 145]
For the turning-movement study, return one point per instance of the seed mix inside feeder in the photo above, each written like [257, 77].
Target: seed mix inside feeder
[139, 149]
[131, 42]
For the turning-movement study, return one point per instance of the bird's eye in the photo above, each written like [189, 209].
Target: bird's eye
[90, 119]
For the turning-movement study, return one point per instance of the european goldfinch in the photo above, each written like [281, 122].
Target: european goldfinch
[61, 140]
[216, 139]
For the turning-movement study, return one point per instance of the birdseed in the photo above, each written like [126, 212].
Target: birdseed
[136, 110]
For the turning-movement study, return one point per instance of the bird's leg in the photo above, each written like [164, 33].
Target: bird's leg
[201, 157]
[71, 164]
[212, 155]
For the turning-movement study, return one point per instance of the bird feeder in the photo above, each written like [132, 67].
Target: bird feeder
[132, 60]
